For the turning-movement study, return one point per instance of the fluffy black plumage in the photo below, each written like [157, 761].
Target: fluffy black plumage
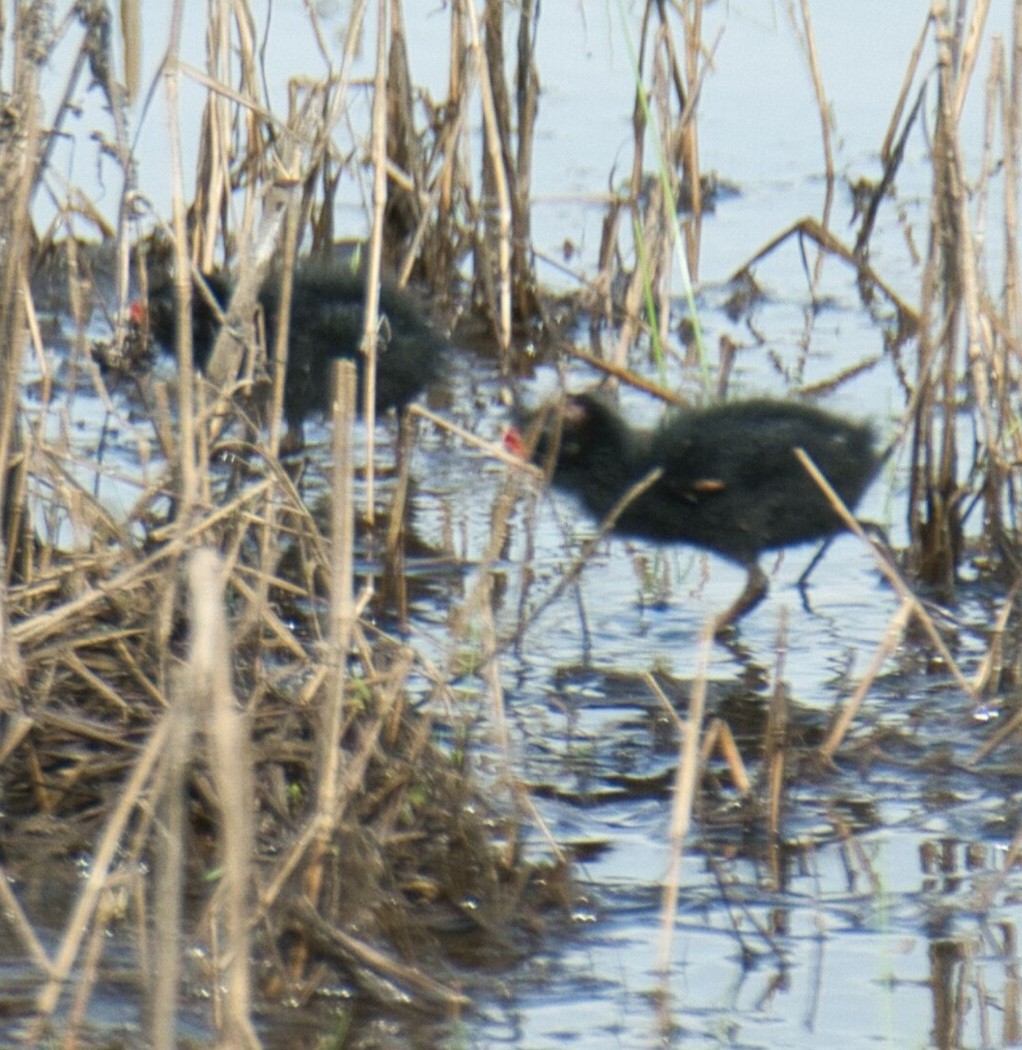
[327, 309]
[730, 481]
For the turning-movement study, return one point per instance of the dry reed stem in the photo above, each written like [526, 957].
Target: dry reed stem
[502, 206]
[103, 859]
[934, 493]
[808, 43]
[305, 841]
[968, 52]
[394, 583]
[683, 797]
[212, 184]
[718, 737]
[259, 251]
[230, 758]
[1012, 119]
[526, 301]
[889, 572]
[107, 912]
[492, 449]
[906, 85]
[269, 532]
[342, 529]
[19, 175]
[477, 615]
[888, 646]
[182, 278]
[22, 927]
[337, 942]
[169, 879]
[810, 227]
[447, 149]
[217, 86]
[450, 175]
[775, 735]
[975, 356]
[32, 630]
[370, 319]
[988, 674]
[281, 337]
[626, 375]
[586, 550]
[674, 149]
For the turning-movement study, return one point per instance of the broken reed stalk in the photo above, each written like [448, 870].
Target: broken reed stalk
[341, 626]
[910, 606]
[717, 738]
[810, 227]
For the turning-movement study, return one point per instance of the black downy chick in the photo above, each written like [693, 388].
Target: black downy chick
[729, 480]
[327, 309]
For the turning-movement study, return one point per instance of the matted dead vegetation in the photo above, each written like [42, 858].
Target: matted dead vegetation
[164, 669]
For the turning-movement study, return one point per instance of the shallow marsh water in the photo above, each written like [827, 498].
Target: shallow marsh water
[870, 922]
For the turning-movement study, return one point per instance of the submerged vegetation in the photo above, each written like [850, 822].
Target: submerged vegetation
[206, 695]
